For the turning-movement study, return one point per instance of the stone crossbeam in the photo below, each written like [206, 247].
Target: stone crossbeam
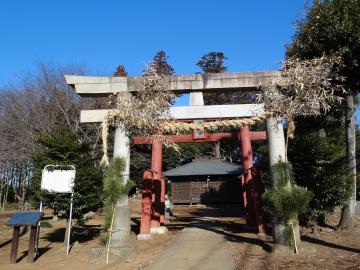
[189, 112]
[228, 81]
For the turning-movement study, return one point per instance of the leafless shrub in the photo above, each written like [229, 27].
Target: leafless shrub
[305, 88]
[140, 114]
[38, 102]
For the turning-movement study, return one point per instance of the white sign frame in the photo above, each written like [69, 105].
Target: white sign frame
[59, 181]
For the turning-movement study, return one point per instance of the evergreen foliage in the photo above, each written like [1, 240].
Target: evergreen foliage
[140, 161]
[161, 65]
[63, 147]
[332, 28]
[320, 165]
[285, 200]
[285, 204]
[120, 71]
[114, 187]
[212, 62]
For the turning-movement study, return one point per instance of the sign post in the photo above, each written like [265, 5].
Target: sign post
[55, 178]
[38, 231]
[69, 228]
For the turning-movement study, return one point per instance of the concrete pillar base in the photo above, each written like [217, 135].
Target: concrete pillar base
[281, 236]
[158, 230]
[143, 236]
[120, 241]
[121, 250]
[116, 250]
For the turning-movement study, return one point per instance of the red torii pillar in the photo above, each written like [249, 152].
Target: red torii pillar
[158, 194]
[146, 206]
[252, 205]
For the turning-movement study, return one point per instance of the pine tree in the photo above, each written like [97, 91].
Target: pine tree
[161, 65]
[285, 201]
[120, 71]
[212, 62]
[333, 28]
[63, 147]
[320, 165]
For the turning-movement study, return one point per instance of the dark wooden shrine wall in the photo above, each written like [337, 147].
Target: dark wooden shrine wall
[206, 190]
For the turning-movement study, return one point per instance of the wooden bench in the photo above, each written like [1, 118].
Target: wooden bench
[22, 219]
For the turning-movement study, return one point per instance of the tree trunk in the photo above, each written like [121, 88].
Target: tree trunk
[217, 150]
[348, 210]
[2, 181]
[1, 191]
[6, 195]
[23, 186]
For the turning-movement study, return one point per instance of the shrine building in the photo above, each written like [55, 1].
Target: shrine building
[205, 180]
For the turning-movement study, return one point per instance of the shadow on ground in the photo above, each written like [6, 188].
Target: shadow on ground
[230, 222]
[41, 251]
[79, 234]
[328, 244]
[214, 219]
[23, 231]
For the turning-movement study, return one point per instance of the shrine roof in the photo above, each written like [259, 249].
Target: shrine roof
[205, 166]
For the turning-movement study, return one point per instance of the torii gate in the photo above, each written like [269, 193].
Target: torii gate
[195, 84]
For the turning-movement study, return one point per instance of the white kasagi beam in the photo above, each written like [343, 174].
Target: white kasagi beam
[189, 112]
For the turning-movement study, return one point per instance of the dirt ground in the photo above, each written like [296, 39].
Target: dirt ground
[53, 252]
[324, 249]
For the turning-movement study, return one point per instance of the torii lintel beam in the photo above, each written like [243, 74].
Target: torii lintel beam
[228, 81]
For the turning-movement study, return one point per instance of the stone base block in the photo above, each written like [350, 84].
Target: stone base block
[158, 230]
[144, 236]
[98, 250]
[121, 250]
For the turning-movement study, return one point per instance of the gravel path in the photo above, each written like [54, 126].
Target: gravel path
[201, 246]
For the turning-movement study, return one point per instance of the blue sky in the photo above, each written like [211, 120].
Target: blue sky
[103, 34]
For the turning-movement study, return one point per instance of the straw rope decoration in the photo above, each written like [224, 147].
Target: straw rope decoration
[172, 127]
[178, 127]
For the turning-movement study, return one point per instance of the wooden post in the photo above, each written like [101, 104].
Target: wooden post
[156, 167]
[32, 242]
[162, 201]
[14, 244]
[247, 162]
[243, 189]
[258, 191]
[146, 204]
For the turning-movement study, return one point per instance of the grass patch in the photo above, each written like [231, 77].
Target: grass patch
[45, 224]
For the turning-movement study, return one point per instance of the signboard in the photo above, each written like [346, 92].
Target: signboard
[56, 180]
[199, 134]
[59, 181]
[25, 218]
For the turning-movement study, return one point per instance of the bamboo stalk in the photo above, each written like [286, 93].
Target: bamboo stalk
[110, 233]
[293, 233]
